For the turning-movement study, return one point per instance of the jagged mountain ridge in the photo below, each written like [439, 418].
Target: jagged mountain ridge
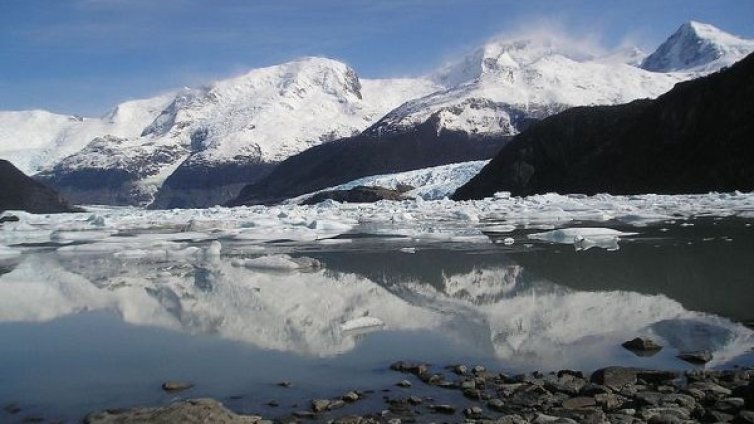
[694, 139]
[500, 90]
[697, 47]
[215, 139]
[199, 147]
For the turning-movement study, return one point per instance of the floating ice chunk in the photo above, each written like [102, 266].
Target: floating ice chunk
[213, 251]
[408, 249]
[74, 236]
[583, 238]
[362, 323]
[499, 228]
[466, 215]
[508, 241]
[96, 220]
[572, 235]
[279, 263]
[335, 241]
[267, 234]
[8, 253]
[330, 226]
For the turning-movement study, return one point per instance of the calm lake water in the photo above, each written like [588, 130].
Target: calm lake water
[86, 331]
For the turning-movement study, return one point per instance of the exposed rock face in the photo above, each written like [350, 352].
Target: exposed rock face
[202, 185]
[694, 139]
[19, 192]
[345, 160]
[359, 194]
[191, 411]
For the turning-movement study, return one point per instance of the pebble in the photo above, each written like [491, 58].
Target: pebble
[176, 386]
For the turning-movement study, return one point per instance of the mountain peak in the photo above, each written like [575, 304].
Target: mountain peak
[697, 46]
[500, 56]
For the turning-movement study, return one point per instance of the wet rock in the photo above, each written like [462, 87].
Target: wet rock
[746, 393]
[349, 419]
[609, 401]
[614, 376]
[496, 405]
[414, 400]
[359, 194]
[665, 419]
[730, 405]
[623, 419]
[711, 390]
[304, 414]
[511, 419]
[679, 413]
[656, 377]
[591, 389]
[176, 386]
[188, 412]
[319, 405]
[336, 404]
[579, 402]
[473, 394]
[744, 417]
[273, 404]
[351, 397]
[443, 409]
[403, 383]
[285, 384]
[700, 357]
[642, 346]
[12, 408]
[473, 412]
[682, 400]
[478, 369]
[459, 369]
[550, 419]
[648, 398]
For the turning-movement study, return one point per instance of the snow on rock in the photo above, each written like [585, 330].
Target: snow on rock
[362, 324]
[432, 183]
[698, 47]
[262, 116]
[501, 86]
[35, 140]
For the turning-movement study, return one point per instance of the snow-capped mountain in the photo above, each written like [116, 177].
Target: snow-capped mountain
[698, 47]
[34, 140]
[491, 94]
[496, 88]
[244, 123]
[199, 146]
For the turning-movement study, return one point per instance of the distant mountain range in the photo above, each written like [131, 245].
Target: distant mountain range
[696, 138]
[273, 128]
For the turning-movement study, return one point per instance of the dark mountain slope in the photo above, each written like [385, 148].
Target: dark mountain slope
[344, 160]
[699, 137]
[19, 192]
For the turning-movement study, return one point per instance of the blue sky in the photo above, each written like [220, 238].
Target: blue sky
[84, 56]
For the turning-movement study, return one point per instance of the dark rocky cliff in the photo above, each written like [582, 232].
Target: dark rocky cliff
[345, 160]
[19, 192]
[697, 138]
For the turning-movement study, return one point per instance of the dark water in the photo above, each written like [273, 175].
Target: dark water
[87, 332]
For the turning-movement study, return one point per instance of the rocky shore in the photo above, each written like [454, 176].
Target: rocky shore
[608, 395]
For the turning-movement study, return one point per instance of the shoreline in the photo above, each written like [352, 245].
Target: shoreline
[459, 393]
